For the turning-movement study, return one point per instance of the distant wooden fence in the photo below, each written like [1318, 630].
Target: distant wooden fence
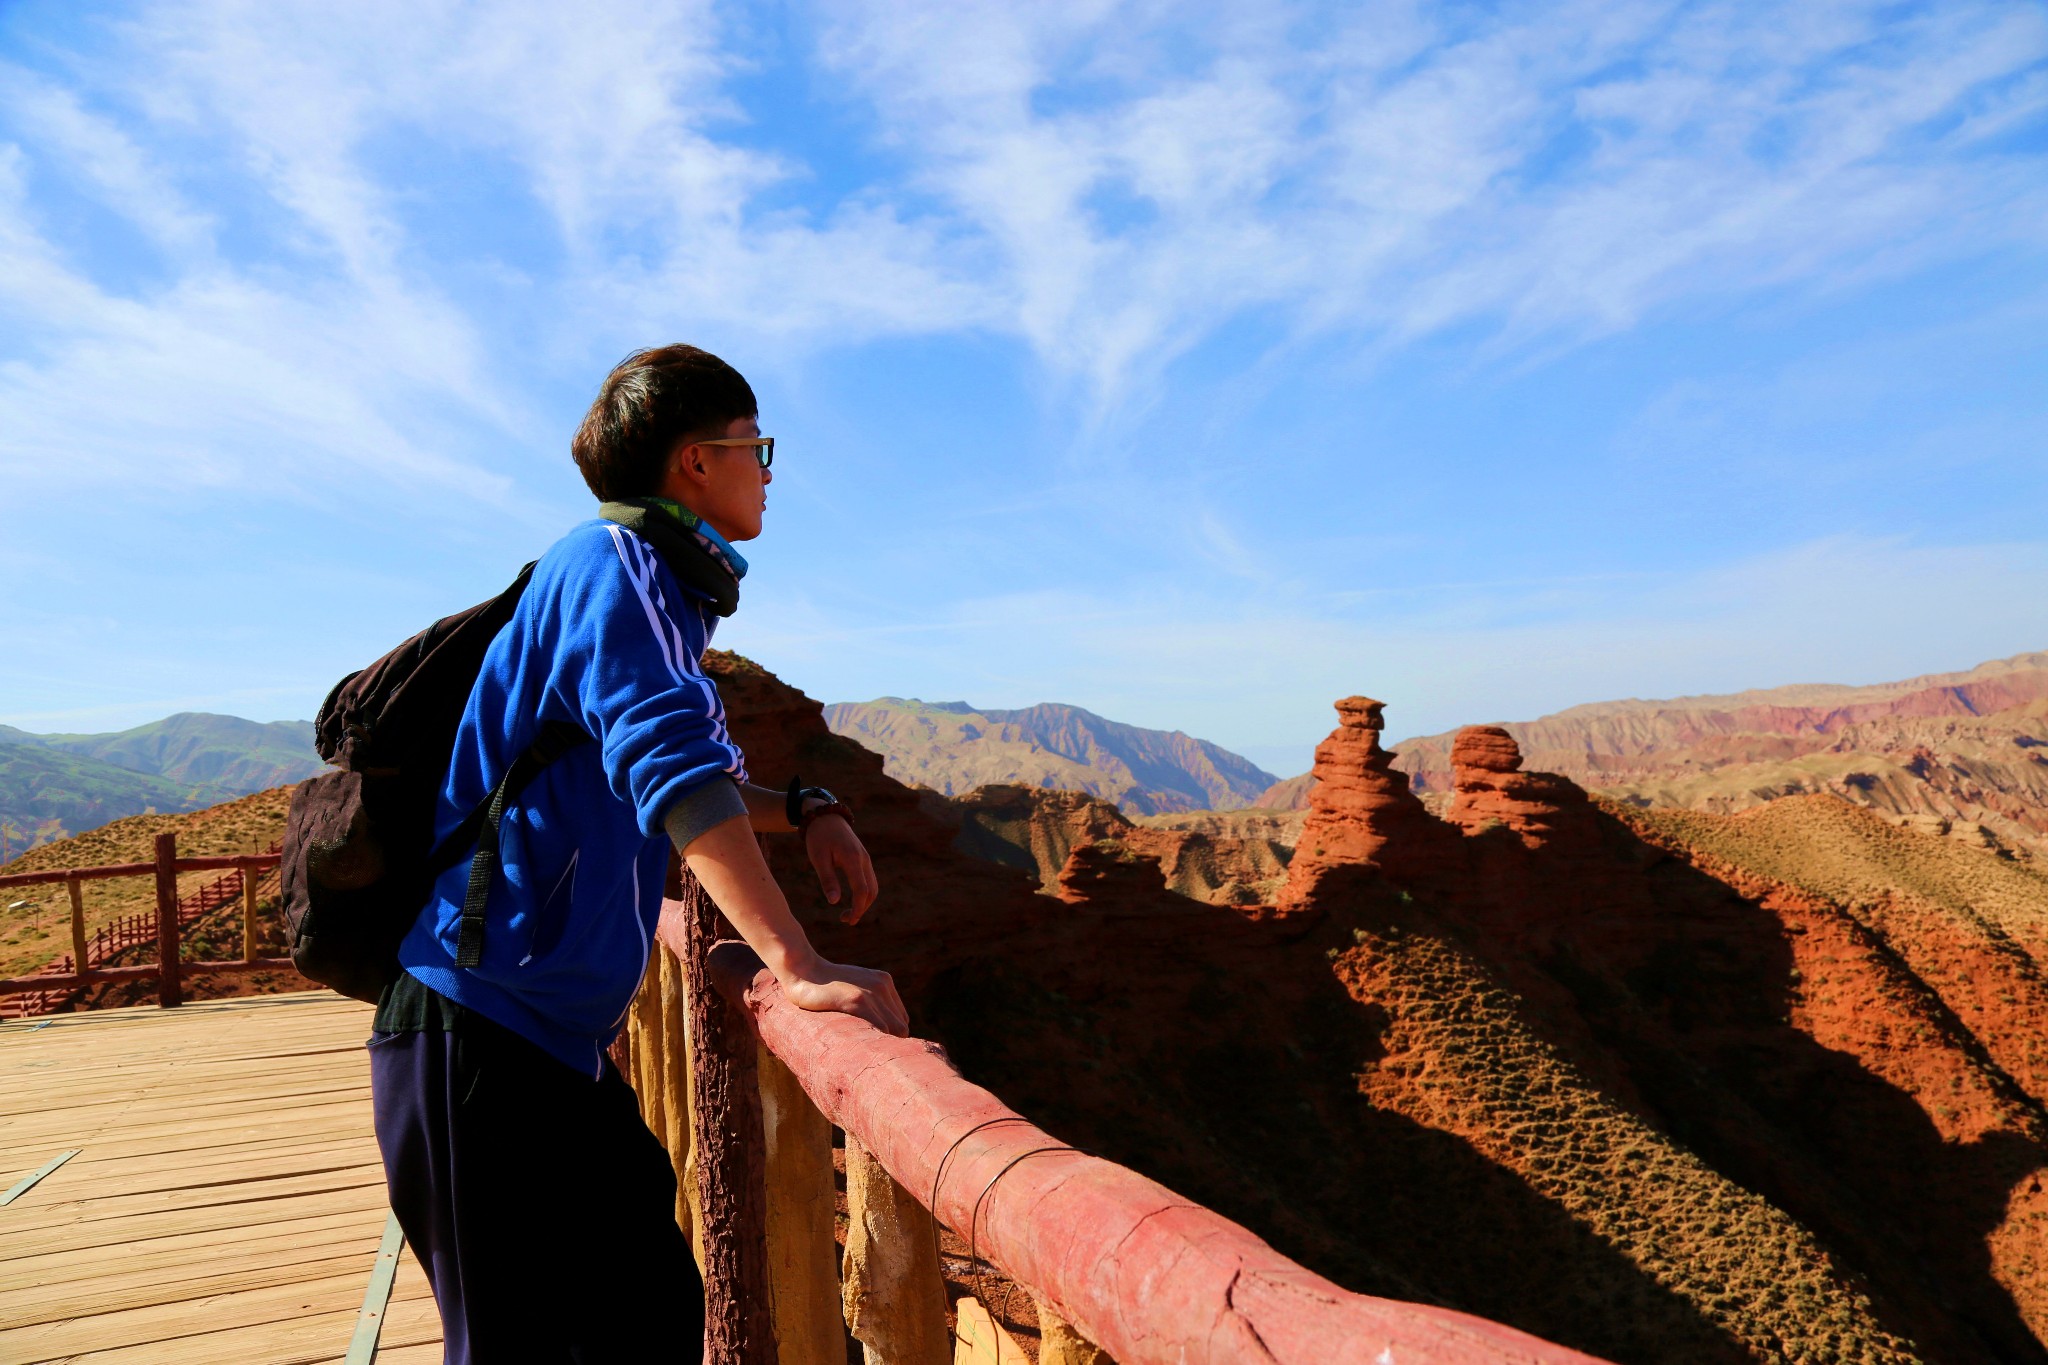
[251, 876]
[745, 1089]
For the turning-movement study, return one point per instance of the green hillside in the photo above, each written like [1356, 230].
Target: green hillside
[52, 786]
[238, 755]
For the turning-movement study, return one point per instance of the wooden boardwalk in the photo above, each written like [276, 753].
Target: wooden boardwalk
[226, 1201]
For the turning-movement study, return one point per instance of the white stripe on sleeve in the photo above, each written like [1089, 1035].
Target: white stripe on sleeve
[640, 585]
[684, 662]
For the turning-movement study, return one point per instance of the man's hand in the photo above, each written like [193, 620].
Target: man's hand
[728, 863]
[863, 992]
[836, 851]
[841, 860]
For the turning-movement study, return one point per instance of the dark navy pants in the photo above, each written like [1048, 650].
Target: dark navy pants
[541, 1208]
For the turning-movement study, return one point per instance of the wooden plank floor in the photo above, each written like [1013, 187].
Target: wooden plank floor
[226, 1200]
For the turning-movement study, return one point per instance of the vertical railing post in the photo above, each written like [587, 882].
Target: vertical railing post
[895, 1299]
[76, 887]
[248, 914]
[650, 1056]
[803, 1270]
[168, 990]
[678, 1107]
[738, 1324]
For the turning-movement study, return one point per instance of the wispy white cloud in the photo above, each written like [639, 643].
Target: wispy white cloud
[330, 334]
[1110, 182]
[210, 372]
[1556, 169]
[259, 247]
[106, 161]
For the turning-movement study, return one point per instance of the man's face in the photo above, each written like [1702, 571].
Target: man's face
[725, 485]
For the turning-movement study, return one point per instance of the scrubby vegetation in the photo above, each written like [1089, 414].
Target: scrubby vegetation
[248, 825]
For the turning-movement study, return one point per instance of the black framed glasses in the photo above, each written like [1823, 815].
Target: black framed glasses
[764, 446]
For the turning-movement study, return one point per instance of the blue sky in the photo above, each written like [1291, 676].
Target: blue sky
[1194, 363]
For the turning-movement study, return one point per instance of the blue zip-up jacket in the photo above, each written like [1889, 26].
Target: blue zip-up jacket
[604, 637]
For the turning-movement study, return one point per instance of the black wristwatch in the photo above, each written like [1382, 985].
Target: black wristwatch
[793, 803]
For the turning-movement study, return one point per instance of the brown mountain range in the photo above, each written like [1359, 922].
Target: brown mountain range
[953, 748]
[1959, 754]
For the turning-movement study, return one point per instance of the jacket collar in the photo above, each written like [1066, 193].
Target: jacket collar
[700, 558]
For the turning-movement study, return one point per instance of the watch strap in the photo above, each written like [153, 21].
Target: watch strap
[793, 804]
[817, 813]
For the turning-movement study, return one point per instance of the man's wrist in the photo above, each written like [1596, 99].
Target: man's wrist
[790, 962]
[824, 810]
[801, 803]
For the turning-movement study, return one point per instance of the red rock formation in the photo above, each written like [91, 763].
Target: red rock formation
[1034, 829]
[1361, 812]
[1954, 750]
[1111, 875]
[1493, 791]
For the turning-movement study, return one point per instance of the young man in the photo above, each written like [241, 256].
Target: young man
[539, 1204]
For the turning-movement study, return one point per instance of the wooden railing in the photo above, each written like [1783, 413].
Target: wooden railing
[84, 966]
[745, 1089]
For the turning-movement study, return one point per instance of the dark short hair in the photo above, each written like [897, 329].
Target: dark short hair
[649, 401]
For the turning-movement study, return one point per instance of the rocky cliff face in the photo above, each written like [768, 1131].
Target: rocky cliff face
[1037, 831]
[1963, 755]
[1775, 1027]
[1492, 790]
[1108, 876]
[1669, 1087]
[1361, 812]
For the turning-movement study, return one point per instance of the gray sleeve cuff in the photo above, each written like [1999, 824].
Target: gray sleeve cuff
[712, 803]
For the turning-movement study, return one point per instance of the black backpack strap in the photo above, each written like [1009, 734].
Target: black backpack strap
[481, 827]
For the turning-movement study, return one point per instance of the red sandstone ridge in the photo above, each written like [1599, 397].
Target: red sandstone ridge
[1492, 791]
[1960, 755]
[1544, 1066]
[1362, 812]
[1108, 875]
[1035, 830]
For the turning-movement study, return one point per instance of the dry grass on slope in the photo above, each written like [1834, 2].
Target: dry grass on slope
[40, 932]
[1460, 1059]
[1971, 926]
[1917, 960]
[1832, 848]
[1976, 779]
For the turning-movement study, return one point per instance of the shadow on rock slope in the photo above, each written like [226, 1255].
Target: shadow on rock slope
[1535, 1061]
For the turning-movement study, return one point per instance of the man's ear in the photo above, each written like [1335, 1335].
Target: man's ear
[687, 459]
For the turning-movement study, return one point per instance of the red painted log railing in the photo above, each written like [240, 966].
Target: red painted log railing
[1140, 1271]
[1123, 1269]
